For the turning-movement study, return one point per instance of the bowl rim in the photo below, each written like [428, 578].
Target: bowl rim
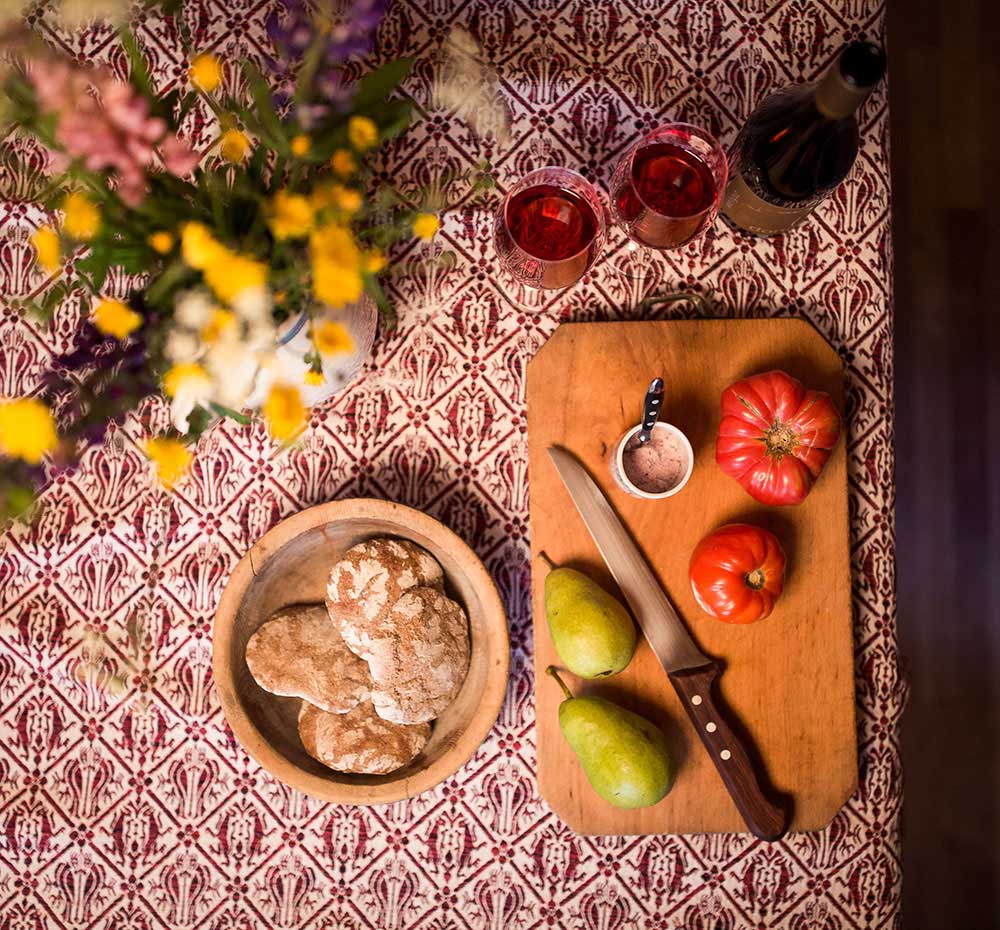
[250, 737]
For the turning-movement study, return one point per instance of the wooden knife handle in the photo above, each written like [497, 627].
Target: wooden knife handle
[698, 691]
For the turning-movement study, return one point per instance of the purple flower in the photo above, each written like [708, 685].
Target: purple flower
[355, 36]
[292, 29]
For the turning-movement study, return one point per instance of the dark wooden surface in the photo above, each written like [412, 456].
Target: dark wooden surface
[945, 105]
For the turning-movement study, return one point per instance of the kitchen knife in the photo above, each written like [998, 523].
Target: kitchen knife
[693, 674]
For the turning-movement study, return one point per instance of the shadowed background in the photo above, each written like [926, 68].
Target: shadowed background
[945, 88]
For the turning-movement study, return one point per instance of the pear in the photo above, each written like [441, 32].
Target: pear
[624, 756]
[591, 630]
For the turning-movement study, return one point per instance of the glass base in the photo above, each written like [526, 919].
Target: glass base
[530, 299]
[642, 270]
[638, 262]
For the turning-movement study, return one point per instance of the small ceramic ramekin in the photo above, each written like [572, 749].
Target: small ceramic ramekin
[618, 463]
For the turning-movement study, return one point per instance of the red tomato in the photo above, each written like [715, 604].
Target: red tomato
[737, 573]
[775, 436]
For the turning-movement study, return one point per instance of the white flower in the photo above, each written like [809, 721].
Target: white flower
[253, 304]
[233, 365]
[181, 346]
[193, 309]
[262, 335]
[189, 393]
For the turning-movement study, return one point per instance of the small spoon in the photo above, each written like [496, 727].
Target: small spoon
[651, 409]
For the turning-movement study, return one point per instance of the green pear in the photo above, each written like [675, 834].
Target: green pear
[592, 632]
[624, 756]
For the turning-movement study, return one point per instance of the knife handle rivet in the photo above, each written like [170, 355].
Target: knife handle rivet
[710, 727]
[725, 755]
[696, 700]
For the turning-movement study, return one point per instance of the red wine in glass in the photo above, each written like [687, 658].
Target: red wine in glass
[666, 189]
[550, 229]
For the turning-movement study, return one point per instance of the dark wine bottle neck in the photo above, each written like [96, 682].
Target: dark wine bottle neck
[836, 97]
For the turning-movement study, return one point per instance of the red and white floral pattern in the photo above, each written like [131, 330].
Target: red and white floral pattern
[124, 801]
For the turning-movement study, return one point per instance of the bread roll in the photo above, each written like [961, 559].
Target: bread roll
[418, 657]
[367, 582]
[359, 741]
[299, 652]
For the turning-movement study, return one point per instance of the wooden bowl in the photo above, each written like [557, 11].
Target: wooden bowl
[290, 565]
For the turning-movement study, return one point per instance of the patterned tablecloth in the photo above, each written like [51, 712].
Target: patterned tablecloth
[124, 801]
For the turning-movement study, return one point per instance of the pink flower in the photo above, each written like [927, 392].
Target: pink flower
[178, 157]
[107, 125]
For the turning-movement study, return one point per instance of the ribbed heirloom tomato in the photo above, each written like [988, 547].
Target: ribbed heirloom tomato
[737, 573]
[775, 436]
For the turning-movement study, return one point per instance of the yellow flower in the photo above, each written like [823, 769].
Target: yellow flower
[171, 458]
[289, 216]
[233, 274]
[113, 318]
[221, 321]
[27, 430]
[301, 145]
[46, 243]
[425, 226]
[332, 338]
[234, 146]
[374, 261]
[161, 242]
[198, 246]
[284, 411]
[336, 197]
[180, 374]
[336, 266]
[82, 218]
[348, 200]
[362, 132]
[206, 72]
[313, 378]
[343, 163]
[336, 285]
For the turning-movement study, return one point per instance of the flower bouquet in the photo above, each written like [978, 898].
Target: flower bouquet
[275, 227]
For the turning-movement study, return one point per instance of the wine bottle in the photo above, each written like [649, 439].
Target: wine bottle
[799, 144]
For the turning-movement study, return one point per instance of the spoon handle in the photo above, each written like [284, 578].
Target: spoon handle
[651, 409]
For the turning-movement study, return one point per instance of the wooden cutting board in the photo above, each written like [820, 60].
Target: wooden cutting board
[790, 678]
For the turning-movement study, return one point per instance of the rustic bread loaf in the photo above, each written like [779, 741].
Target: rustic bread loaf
[367, 582]
[418, 656]
[300, 653]
[359, 741]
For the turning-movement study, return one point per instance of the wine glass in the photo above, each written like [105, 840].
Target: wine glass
[666, 190]
[548, 233]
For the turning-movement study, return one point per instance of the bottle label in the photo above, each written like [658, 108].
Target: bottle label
[745, 209]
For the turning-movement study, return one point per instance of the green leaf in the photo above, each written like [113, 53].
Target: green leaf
[255, 169]
[265, 114]
[393, 118]
[140, 72]
[96, 266]
[378, 84]
[198, 422]
[224, 411]
[385, 308]
[173, 275]
[54, 296]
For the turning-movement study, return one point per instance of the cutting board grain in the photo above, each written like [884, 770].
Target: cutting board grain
[789, 679]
